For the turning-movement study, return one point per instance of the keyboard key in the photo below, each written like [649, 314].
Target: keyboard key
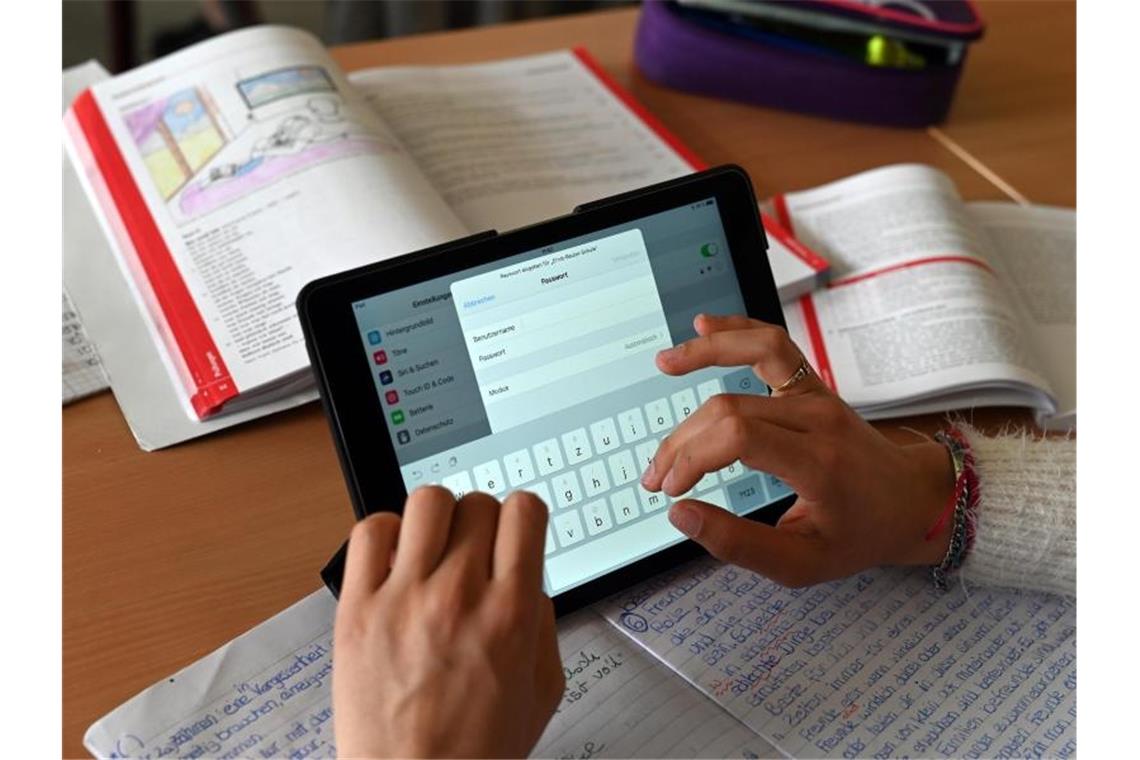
[568, 527]
[746, 494]
[625, 505]
[519, 469]
[577, 446]
[716, 497]
[550, 545]
[594, 556]
[594, 480]
[708, 481]
[597, 516]
[540, 490]
[459, 484]
[776, 487]
[732, 471]
[659, 415]
[489, 478]
[548, 457]
[623, 468]
[605, 435]
[708, 389]
[566, 491]
[644, 453]
[632, 425]
[744, 380]
[684, 404]
[650, 501]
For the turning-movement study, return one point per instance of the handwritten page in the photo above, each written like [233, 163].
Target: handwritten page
[267, 694]
[264, 694]
[876, 665]
[82, 370]
[621, 702]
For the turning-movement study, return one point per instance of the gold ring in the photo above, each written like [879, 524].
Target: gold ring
[804, 370]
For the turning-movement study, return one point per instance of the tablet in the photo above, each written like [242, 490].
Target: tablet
[525, 361]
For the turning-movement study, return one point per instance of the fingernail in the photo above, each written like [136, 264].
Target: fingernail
[667, 484]
[685, 519]
[647, 476]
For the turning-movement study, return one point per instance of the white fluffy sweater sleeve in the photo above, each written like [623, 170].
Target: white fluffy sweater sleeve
[1027, 517]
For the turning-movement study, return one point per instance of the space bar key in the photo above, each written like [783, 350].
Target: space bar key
[612, 550]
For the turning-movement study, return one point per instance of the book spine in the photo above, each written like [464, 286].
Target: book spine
[799, 250]
[209, 381]
[807, 305]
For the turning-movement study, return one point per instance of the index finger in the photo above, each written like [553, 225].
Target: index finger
[425, 527]
[521, 541]
[767, 348]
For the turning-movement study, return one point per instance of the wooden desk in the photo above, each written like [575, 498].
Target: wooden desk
[170, 554]
[1015, 109]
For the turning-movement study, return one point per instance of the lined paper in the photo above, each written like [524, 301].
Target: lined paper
[877, 665]
[620, 702]
[82, 371]
[267, 694]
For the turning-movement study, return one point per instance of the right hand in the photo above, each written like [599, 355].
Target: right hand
[862, 500]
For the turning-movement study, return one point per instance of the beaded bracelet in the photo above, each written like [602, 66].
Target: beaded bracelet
[961, 507]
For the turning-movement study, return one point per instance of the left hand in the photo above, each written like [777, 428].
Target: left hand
[445, 643]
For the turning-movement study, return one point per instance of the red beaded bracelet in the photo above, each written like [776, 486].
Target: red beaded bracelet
[961, 507]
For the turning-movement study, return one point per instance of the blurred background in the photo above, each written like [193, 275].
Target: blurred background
[124, 33]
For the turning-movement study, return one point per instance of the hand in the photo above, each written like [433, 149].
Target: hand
[445, 643]
[862, 500]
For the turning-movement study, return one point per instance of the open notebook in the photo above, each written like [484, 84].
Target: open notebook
[704, 661]
[230, 174]
[935, 303]
[83, 372]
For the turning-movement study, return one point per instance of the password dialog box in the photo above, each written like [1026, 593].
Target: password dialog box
[562, 327]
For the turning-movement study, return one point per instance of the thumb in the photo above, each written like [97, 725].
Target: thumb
[785, 557]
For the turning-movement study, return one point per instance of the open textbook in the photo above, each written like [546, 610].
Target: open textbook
[704, 661]
[934, 303]
[228, 175]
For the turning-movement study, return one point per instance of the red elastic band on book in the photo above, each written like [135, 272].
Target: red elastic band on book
[909, 264]
[213, 385]
[815, 336]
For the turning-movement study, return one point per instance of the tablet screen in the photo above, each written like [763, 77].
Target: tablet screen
[536, 372]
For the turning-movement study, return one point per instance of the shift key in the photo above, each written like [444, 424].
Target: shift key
[746, 494]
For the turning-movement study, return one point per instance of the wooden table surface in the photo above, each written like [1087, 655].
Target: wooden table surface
[168, 555]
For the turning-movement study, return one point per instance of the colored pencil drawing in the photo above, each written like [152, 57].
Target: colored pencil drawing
[177, 136]
[313, 134]
[283, 83]
[290, 120]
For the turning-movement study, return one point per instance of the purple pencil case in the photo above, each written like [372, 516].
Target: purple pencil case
[692, 50]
